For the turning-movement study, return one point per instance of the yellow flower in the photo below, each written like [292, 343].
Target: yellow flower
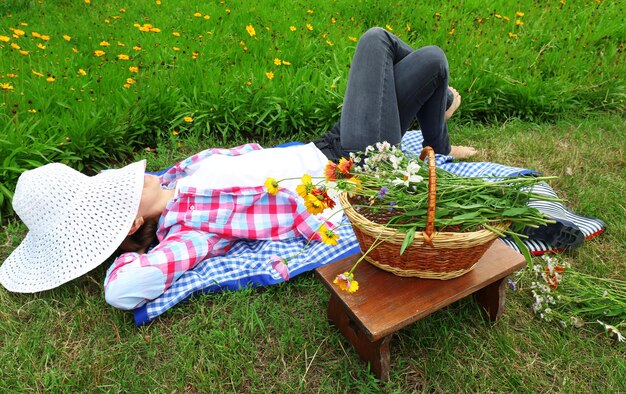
[519, 22]
[388, 27]
[50, 79]
[99, 53]
[333, 86]
[24, 53]
[5, 38]
[10, 75]
[66, 37]
[309, 11]
[158, 2]
[408, 27]
[122, 9]
[451, 32]
[130, 81]
[175, 132]
[277, 61]
[133, 69]
[498, 16]
[333, 19]
[519, 14]
[121, 44]
[87, 1]
[329, 237]
[292, 28]
[127, 85]
[104, 44]
[329, 42]
[188, 119]
[269, 75]
[309, 27]
[18, 32]
[7, 87]
[351, 38]
[346, 282]
[176, 34]
[32, 111]
[313, 204]
[250, 30]
[513, 35]
[15, 46]
[176, 49]
[272, 186]
[37, 73]
[74, 50]
[194, 55]
[286, 63]
[41, 46]
[197, 15]
[82, 72]
[137, 48]
[45, 38]
[506, 18]
[207, 17]
[306, 186]
[123, 57]
[227, 10]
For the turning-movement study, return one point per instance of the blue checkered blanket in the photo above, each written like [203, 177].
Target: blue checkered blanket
[246, 264]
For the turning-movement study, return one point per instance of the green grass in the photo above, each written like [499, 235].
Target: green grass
[277, 339]
[565, 67]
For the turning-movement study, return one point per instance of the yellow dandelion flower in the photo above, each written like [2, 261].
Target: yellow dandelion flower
[122, 9]
[6, 87]
[250, 30]
[451, 32]
[50, 79]
[249, 83]
[188, 119]
[137, 48]
[155, 30]
[506, 18]
[32, 111]
[67, 38]
[9, 75]
[107, 21]
[5, 38]
[121, 56]
[408, 27]
[333, 86]
[194, 54]
[329, 42]
[15, 46]
[158, 2]
[277, 61]
[87, 1]
[292, 28]
[269, 75]
[197, 15]
[176, 34]
[130, 81]
[35, 34]
[175, 132]
[75, 50]
[37, 73]
[133, 69]
[519, 14]
[82, 72]
[498, 16]
[45, 38]
[18, 32]
[513, 35]
[272, 186]
[99, 53]
[127, 85]
[351, 38]
[104, 44]
[309, 12]
[309, 27]
[41, 46]
[388, 27]
[121, 44]
[24, 53]
[23, 24]
[242, 43]
[519, 22]
[176, 49]
[285, 63]
[207, 17]
[227, 10]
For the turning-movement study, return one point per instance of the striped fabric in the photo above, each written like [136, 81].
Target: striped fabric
[246, 264]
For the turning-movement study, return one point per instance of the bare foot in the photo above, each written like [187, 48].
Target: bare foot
[462, 152]
[456, 103]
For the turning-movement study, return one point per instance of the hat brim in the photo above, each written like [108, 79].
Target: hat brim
[100, 218]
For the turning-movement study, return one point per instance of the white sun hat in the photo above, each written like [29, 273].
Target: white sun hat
[74, 221]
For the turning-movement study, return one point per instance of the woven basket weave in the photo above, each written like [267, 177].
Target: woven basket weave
[433, 255]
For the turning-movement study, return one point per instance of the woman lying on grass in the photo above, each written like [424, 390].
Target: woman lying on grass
[206, 202]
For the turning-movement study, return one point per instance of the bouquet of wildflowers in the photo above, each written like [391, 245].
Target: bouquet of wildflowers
[390, 187]
[572, 298]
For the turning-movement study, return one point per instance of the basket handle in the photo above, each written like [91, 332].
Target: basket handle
[432, 190]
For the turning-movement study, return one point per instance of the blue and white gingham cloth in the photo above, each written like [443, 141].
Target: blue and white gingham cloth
[246, 264]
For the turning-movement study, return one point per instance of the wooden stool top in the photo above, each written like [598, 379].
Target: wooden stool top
[386, 303]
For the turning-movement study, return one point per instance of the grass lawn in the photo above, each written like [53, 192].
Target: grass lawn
[277, 339]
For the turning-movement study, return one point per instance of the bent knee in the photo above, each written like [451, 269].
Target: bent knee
[373, 34]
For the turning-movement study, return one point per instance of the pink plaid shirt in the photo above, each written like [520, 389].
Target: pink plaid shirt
[198, 224]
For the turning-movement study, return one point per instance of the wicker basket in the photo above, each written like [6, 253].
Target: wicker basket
[433, 255]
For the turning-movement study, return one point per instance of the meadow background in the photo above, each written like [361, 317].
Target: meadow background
[100, 83]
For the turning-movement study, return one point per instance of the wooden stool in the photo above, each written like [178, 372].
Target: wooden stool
[385, 303]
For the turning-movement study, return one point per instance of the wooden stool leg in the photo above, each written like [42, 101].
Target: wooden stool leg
[376, 353]
[492, 298]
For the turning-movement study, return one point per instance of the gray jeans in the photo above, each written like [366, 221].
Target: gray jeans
[389, 84]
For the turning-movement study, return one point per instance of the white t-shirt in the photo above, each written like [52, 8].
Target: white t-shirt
[253, 169]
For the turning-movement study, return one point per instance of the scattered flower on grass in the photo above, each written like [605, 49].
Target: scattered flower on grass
[277, 61]
[519, 14]
[15, 46]
[123, 57]
[513, 35]
[388, 27]
[99, 53]
[250, 30]
[6, 87]
[175, 132]
[37, 73]
[82, 72]
[309, 27]
[269, 75]
[133, 69]
[292, 28]
[519, 22]
[130, 81]
[188, 119]
[352, 38]
[24, 53]
[408, 27]
[67, 38]
[105, 44]
[5, 38]
[50, 79]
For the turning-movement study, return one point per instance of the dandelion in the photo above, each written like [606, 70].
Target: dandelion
[197, 15]
[130, 81]
[50, 79]
[127, 85]
[175, 132]
[7, 39]
[451, 32]
[123, 57]
[506, 18]
[194, 54]
[519, 14]
[513, 35]
[285, 63]
[41, 46]
[37, 73]
[292, 28]
[10, 75]
[137, 48]
[250, 30]
[176, 34]
[45, 38]
[188, 119]
[24, 53]
[133, 69]
[15, 46]
[207, 17]
[277, 61]
[346, 282]
[333, 86]
[227, 10]
[388, 27]
[333, 19]
[269, 75]
[351, 38]
[408, 27]
[99, 53]
[75, 50]
[18, 32]
[32, 111]
[330, 43]
[176, 49]
[82, 72]
[519, 22]
[309, 12]
[6, 87]
[272, 186]
[87, 1]
[498, 16]
[67, 38]
[309, 27]
[329, 237]
[105, 44]
[120, 44]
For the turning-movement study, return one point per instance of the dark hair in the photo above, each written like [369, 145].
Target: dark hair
[141, 239]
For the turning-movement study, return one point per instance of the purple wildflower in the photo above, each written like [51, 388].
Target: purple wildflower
[512, 284]
[391, 205]
[383, 192]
